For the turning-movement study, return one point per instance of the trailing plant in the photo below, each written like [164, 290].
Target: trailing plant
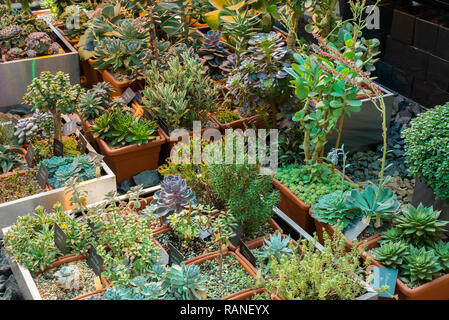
[120, 128]
[60, 169]
[427, 151]
[31, 239]
[10, 158]
[54, 94]
[420, 226]
[180, 94]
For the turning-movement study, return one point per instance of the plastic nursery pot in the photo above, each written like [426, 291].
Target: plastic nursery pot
[242, 294]
[87, 133]
[92, 75]
[242, 123]
[119, 86]
[437, 289]
[294, 207]
[128, 161]
[72, 258]
[272, 223]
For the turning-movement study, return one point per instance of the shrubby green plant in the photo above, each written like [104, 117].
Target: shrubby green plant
[249, 196]
[44, 148]
[427, 149]
[54, 94]
[180, 94]
[31, 239]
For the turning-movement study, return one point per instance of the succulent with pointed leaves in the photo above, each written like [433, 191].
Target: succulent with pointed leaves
[184, 282]
[37, 44]
[420, 266]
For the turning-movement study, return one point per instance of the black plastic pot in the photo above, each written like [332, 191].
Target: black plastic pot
[442, 47]
[403, 26]
[395, 51]
[426, 34]
[416, 62]
[438, 72]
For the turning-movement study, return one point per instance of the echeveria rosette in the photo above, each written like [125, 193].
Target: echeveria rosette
[420, 266]
[174, 196]
[427, 149]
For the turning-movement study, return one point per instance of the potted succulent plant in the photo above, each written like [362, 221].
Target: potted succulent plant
[427, 154]
[415, 247]
[180, 95]
[130, 144]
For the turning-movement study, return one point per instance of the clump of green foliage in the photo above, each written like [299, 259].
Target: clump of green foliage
[309, 182]
[330, 274]
[227, 116]
[44, 148]
[427, 149]
[18, 186]
[31, 239]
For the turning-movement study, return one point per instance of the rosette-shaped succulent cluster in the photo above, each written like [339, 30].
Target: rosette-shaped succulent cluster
[37, 44]
[10, 32]
[420, 266]
[260, 79]
[391, 254]
[38, 125]
[95, 101]
[14, 54]
[68, 278]
[174, 196]
[55, 48]
[213, 53]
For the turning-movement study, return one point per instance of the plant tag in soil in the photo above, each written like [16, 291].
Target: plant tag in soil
[42, 176]
[29, 157]
[128, 96]
[384, 277]
[70, 128]
[354, 230]
[95, 261]
[98, 284]
[60, 239]
[176, 257]
[92, 229]
[205, 234]
[58, 148]
[82, 143]
[165, 258]
[246, 252]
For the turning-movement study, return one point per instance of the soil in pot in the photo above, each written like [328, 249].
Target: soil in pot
[194, 249]
[263, 230]
[16, 186]
[234, 277]
[49, 290]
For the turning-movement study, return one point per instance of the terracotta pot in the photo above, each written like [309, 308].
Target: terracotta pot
[257, 120]
[92, 75]
[87, 133]
[294, 207]
[272, 223]
[128, 161]
[243, 294]
[72, 258]
[437, 289]
[119, 86]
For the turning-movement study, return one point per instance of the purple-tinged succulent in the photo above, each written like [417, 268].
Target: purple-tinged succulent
[38, 44]
[55, 48]
[174, 196]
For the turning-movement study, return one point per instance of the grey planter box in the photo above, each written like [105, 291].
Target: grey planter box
[96, 188]
[363, 129]
[16, 75]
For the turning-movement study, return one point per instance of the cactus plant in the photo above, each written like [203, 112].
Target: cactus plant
[68, 278]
